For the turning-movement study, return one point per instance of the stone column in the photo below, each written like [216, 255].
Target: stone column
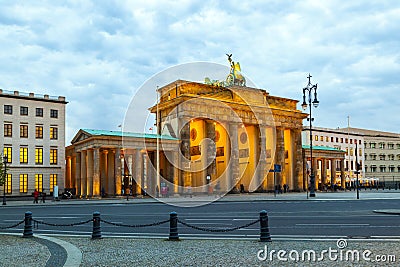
[104, 171]
[78, 175]
[89, 182]
[185, 150]
[280, 153]
[73, 171]
[118, 172]
[111, 172]
[96, 172]
[262, 159]
[138, 170]
[175, 172]
[323, 171]
[84, 173]
[342, 176]
[234, 154]
[211, 149]
[68, 172]
[270, 155]
[333, 171]
[315, 170]
[297, 160]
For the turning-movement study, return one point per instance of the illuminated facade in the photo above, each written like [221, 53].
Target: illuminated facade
[33, 139]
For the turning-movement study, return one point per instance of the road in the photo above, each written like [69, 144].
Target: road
[301, 219]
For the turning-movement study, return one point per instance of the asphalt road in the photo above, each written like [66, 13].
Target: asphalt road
[301, 219]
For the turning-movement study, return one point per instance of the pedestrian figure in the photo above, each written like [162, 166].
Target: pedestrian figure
[43, 194]
[280, 189]
[35, 196]
[241, 188]
[284, 188]
[103, 192]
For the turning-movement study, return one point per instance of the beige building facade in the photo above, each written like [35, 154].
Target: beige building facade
[33, 140]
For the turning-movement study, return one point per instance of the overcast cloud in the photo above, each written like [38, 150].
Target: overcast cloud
[98, 53]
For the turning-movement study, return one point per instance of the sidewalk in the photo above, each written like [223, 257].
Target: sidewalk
[199, 199]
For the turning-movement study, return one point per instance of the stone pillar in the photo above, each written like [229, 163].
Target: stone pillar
[323, 171]
[211, 149]
[175, 172]
[342, 176]
[118, 172]
[96, 172]
[261, 170]
[185, 150]
[333, 171]
[270, 154]
[280, 154]
[78, 175]
[89, 182]
[111, 173]
[73, 171]
[234, 155]
[315, 170]
[298, 160]
[138, 170]
[104, 171]
[68, 172]
[84, 173]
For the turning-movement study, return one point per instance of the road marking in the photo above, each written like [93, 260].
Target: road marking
[332, 224]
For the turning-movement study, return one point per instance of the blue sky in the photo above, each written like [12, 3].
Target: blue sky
[99, 53]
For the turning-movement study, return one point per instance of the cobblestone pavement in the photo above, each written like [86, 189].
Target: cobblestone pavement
[18, 251]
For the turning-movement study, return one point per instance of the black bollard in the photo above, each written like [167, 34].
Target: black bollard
[28, 225]
[264, 228]
[96, 233]
[173, 226]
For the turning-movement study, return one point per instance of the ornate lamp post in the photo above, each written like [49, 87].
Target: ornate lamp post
[307, 92]
[5, 159]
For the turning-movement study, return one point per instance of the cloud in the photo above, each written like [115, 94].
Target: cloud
[98, 53]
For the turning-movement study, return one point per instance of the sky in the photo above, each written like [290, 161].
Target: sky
[99, 54]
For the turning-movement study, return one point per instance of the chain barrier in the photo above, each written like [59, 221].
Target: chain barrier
[134, 226]
[12, 226]
[36, 223]
[218, 230]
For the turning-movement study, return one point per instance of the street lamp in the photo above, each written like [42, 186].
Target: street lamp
[5, 159]
[309, 89]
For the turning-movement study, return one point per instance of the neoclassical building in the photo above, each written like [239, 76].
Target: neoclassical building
[211, 135]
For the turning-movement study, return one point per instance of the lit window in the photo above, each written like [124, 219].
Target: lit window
[316, 138]
[53, 113]
[23, 183]
[23, 155]
[7, 152]
[327, 139]
[53, 156]
[23, 131]
[39, 182]
[39, 155]
[39, 132]
[23, 111]
[8, 183]
[8, 109]
[53, 133]
[53, 181]
[7, 130]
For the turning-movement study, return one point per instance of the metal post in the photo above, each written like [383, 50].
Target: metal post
[173, 226]
[28, 225]
[264, 228]
[96, 233]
